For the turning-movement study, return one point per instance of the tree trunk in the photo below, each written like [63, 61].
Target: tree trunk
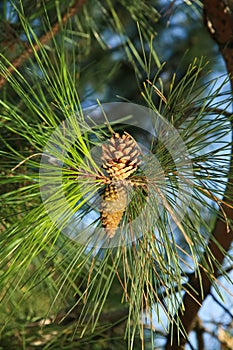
[219, 21]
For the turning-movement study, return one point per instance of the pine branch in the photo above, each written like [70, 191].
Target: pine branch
[219, 21]
[199, 334]
[222, 306]
[28, 52]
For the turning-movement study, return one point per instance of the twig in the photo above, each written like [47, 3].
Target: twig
[222, 305]
[199, 329]
[17, 62]
[228, 269]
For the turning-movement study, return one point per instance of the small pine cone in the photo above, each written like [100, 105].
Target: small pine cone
[121, 156]
[113, 207]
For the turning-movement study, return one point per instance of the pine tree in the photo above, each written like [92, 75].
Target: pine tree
[104, 222]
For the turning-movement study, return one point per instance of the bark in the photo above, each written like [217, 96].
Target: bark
[219, 21]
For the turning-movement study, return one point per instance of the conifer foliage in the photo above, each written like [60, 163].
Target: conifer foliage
[66, 281]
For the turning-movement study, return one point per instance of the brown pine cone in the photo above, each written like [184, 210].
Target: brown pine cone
[112, 207]
[121, 156]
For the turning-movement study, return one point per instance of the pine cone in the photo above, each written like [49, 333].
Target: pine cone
[121, 156]
[112, 207]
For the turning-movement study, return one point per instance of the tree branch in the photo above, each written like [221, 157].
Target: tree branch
[28, 52]
[219, 20]
[199, 330]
